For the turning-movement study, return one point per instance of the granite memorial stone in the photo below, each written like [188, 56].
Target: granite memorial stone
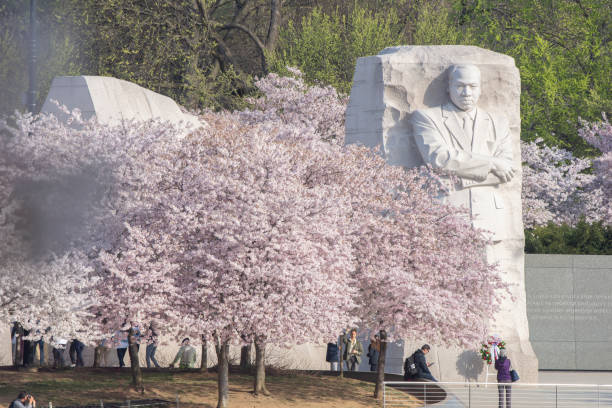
[112, 100]
[456, 108]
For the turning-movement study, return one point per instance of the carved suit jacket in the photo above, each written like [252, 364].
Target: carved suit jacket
[443, 144]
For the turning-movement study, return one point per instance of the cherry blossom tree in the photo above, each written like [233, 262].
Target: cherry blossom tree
[49, 298]
[307, 109]
[65, 189]
[257, 244]
[268, 230]
[561, 188]
[416, 259]
[599, 135]
[556, 187]
[262, 226]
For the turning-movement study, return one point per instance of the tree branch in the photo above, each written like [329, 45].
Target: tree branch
[275, 17]
[253, 36]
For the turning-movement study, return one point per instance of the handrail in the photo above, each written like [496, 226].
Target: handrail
[495, 383]
[398, 394]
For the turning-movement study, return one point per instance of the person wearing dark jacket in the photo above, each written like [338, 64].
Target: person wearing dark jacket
[76, 353]
[504, 380]
[374, 352]
[422, 365]
[332, 356]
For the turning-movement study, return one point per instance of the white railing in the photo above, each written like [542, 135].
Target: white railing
[482, 395]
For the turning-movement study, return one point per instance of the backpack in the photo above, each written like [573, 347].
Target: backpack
[410, 368]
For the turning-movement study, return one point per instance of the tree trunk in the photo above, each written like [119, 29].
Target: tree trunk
[260, 369]
[245, 357]
[135, 361]
[223, 376]
[341, 357]
[97, 356]
[380, 373]
[204, 363]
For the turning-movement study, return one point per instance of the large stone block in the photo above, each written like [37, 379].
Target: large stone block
[593, 355]
[569, 305]
[550, 304]
[548, 261]
[112, 100]
[387, 89]
[556, 355]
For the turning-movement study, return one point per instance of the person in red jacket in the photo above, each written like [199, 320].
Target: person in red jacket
[504, 380]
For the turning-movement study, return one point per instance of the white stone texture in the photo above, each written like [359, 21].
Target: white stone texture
[112, 100]
[568, 305]
[387, 89]
[6, 356]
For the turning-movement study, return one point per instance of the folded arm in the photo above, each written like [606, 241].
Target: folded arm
[441, 154]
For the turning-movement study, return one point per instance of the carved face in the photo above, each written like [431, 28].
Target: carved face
[464, 87]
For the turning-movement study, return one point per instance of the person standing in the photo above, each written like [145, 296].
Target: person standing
[28, 350]
[374, 352]
[504, 380]
[58, 352]
[353, 351]
[76, 353]
[40, 343]
[152, 339]
[41, 350]
[331, 356]
[186, 356]
[15, 339]
[121, 340]
[136, 333]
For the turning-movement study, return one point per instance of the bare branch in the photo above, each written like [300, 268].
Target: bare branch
[275, 20]
[253, 36]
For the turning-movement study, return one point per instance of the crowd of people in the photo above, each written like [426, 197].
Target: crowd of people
[416, 367]
[352, 351]
[24, 351]
[351, 356]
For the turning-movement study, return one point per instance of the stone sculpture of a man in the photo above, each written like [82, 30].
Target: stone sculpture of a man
[419, 104]
[470, 143]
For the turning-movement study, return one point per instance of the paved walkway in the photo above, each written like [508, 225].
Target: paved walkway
[543, 396]
[575, 377]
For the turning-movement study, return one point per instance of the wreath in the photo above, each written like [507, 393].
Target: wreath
[493, 344]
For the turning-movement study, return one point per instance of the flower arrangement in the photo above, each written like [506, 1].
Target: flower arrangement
[490, 349]
[485, 354]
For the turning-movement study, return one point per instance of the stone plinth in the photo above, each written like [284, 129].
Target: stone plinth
[387, 89]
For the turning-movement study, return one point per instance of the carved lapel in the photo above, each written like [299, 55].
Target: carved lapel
[456, 130]
[481, 130]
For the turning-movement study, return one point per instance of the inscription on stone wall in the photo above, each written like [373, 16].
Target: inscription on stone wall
[568, 306]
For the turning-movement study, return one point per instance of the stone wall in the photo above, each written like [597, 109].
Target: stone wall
[569, 307]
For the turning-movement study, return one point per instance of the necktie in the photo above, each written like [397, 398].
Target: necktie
[468, 127]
